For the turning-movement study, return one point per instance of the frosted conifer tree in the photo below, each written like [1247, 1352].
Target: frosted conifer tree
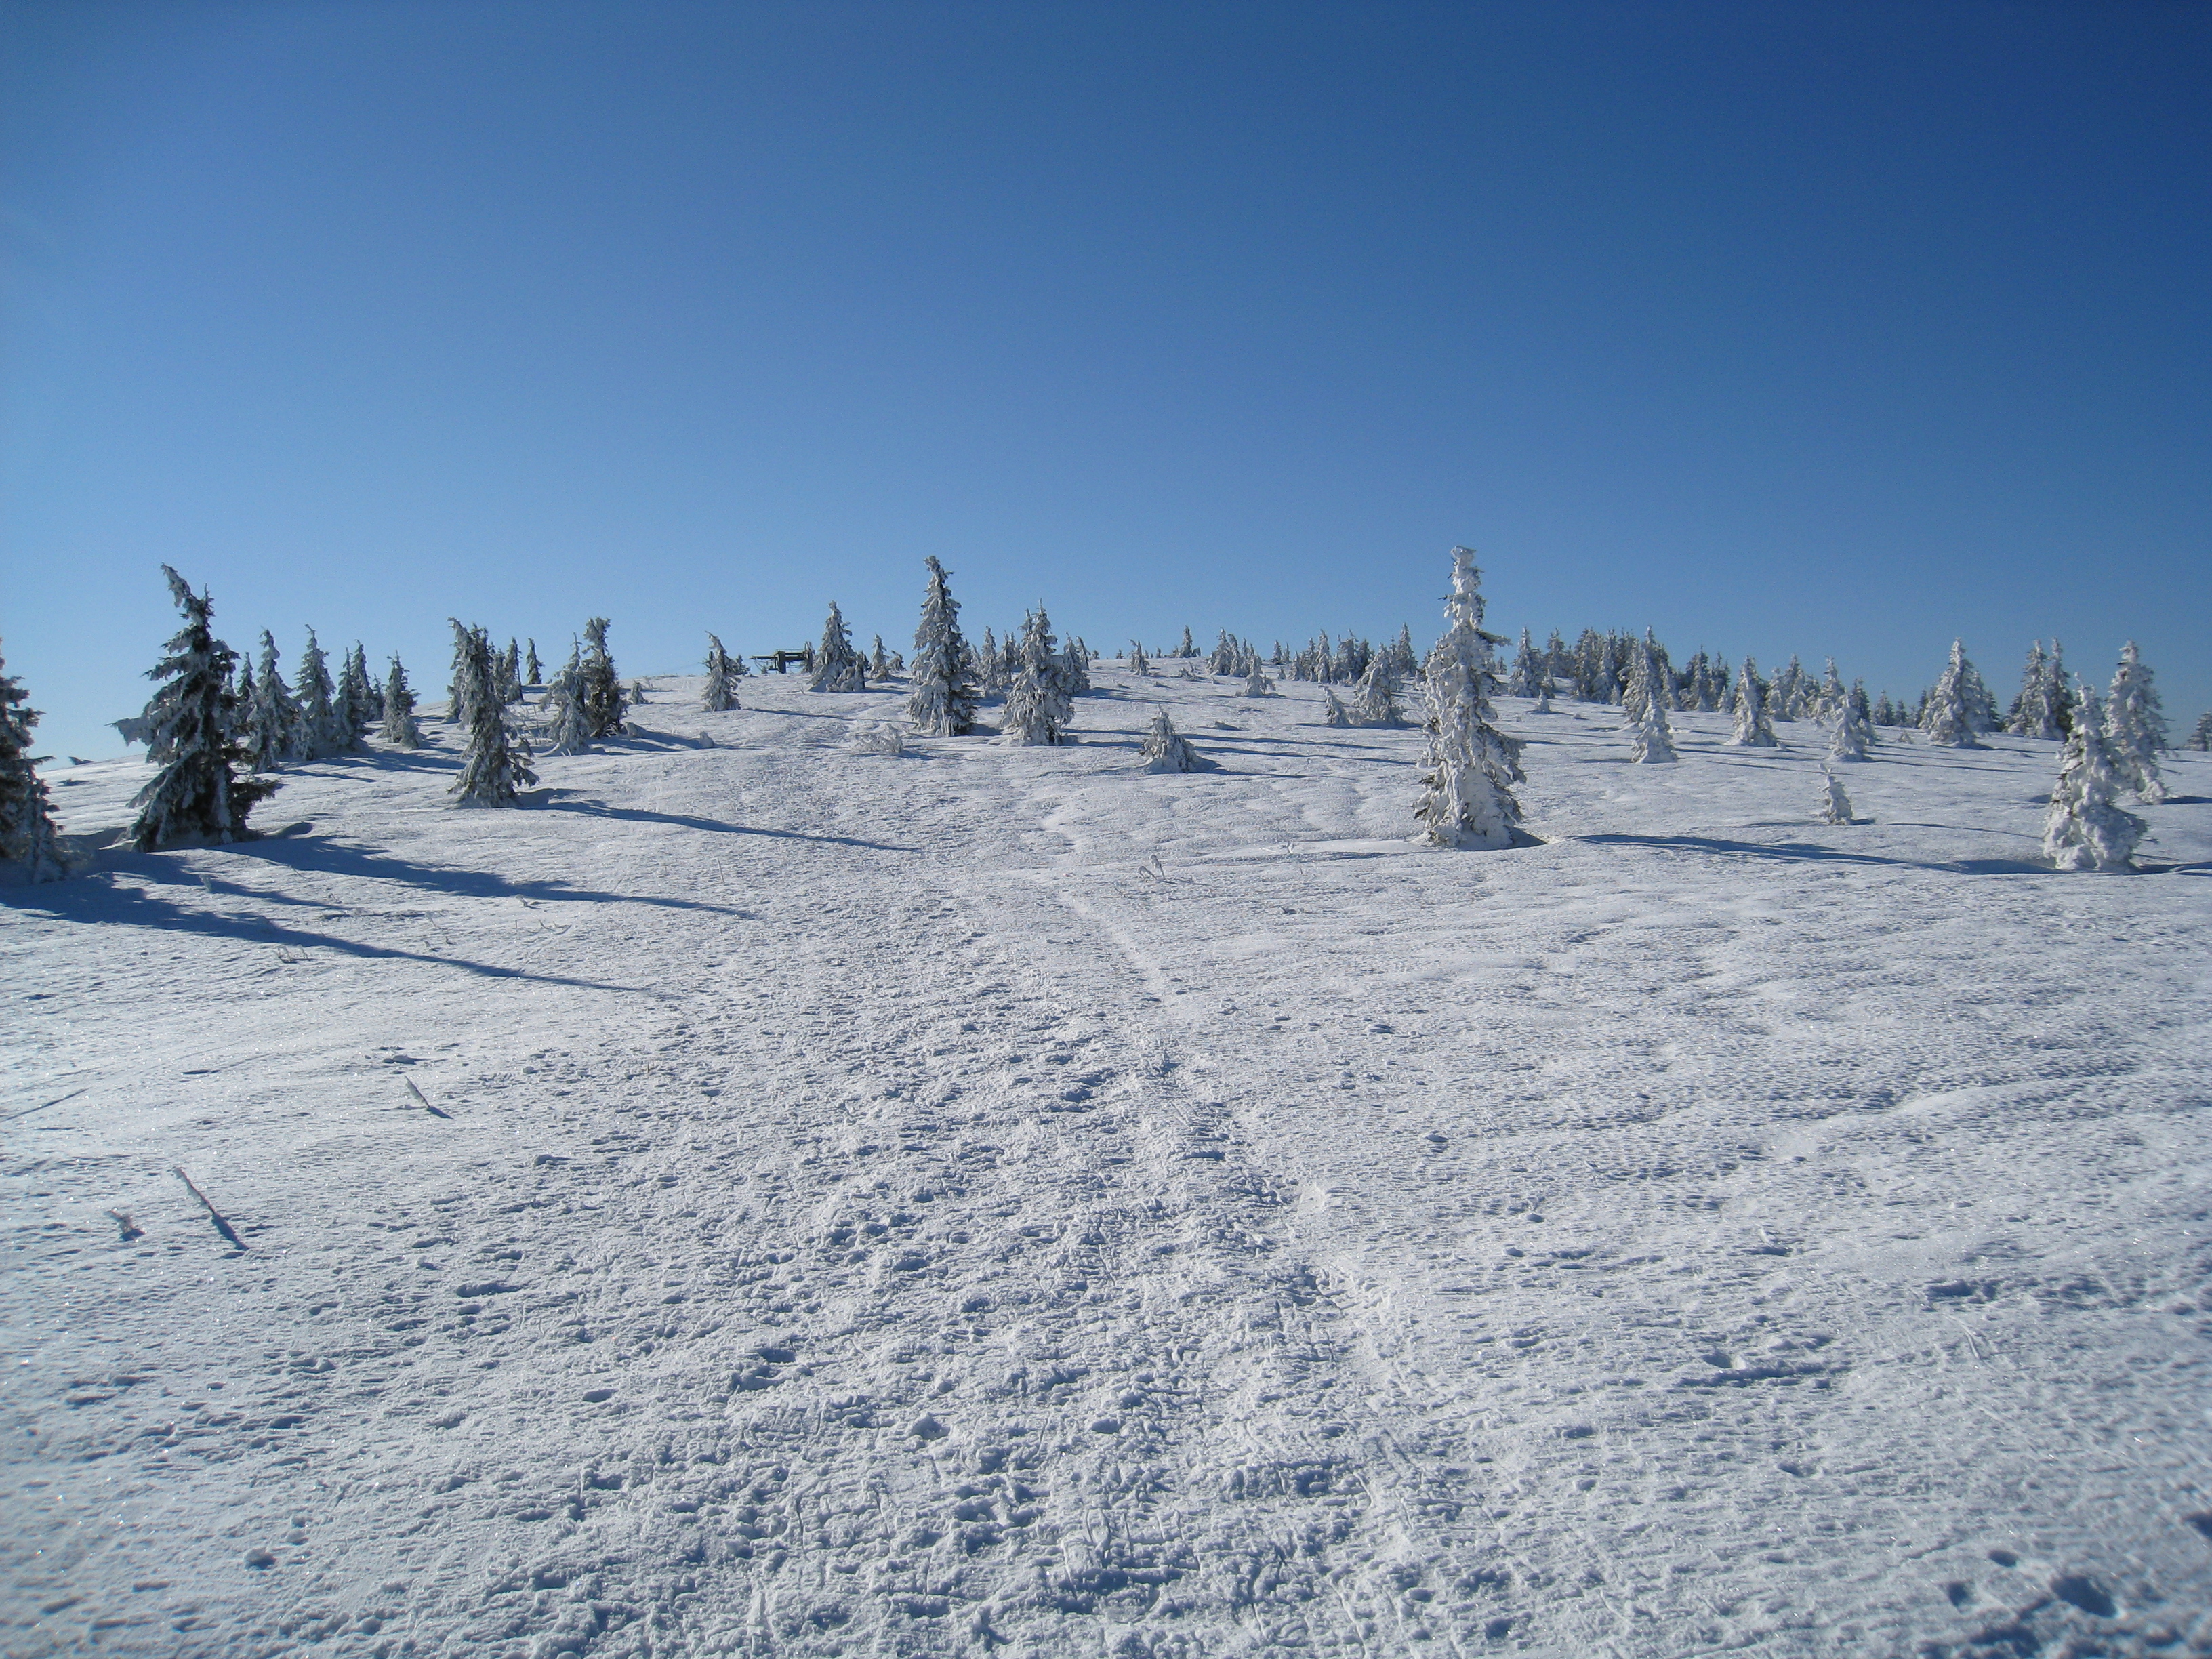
[272, 725]
[1037, 710]
[533, 672]
[1543, 696]
[401, 729]
[1334, 711]
[351, 706]
[989, 674]
[837, 666]
[2201, 738]
[2057, 690]
[1754, 727]
[320, 735]
[2085, 829]
[2135, 726]
[507, 672]
[599, 685]
[1526, 670]
[1375, 700]
[1466, 797]
[1854, 730]
[26, 814]
[1951, 716]
[1256, 683]
[880, 660]
[1189, 647]
[1167, 750]
[2032, 713]
[569, 731]
[191, 734]
[1786, 697]
[1075, 669]
[1401, 652]
[720, 696]
[1139, 663]
[1654, 734]
[940, 702]
[1835, 805]
[495, 766]
[1831, 696]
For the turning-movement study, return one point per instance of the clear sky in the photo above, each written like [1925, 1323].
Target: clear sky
[1834, 329]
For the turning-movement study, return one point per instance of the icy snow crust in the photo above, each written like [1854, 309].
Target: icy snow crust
[996, 1195]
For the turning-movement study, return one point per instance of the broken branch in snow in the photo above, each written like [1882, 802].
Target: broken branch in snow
[130, 1228]
[419, 1096]
[214, 1214]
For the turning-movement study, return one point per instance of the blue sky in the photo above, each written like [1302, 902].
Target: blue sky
[1834, 330]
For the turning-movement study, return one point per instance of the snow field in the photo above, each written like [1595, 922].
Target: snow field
[993, 1197]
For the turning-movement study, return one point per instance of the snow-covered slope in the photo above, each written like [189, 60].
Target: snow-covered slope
[996, 1197]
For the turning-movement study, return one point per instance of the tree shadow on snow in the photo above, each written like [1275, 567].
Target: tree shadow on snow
[337, 857]
[639, 815]
[103, 904]
[1808, 852]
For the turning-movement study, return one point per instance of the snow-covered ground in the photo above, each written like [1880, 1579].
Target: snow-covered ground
[995, 1199]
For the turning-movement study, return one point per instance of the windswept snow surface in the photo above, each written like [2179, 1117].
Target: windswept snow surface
[998, 1198]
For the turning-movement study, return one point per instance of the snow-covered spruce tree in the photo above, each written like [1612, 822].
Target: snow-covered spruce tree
[26, 814]
[1654, 734]
[2058, 689]
[1830, 696]
[272, 725]
[1543, 696]
[1401, 652]
[940, 700]
[1526, 669]
[1953, 716]
[401, 729]
[719, 697]
[988, 676]
[495, 766]
[533, 672]
[2031, 714]
[1835, 807]
[837, 666]
[1189, 647]
[2201, 738]
[353, 700]
[2084, 829]
[320, 735]
[1785, 698]
[1256, 683]
[1754, 729]
[1225, 657]
[1037, 710]
[1467, 799]
[569, 730]
[1333, 712]
[1075, 669]
[2135, 726]
[191, 734]
[880, 660]
[1166, 749]
[1139, 663]
[1854, 731]
[600, 687]
[1375, 700]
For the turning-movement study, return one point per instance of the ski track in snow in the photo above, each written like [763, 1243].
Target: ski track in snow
[994, 1198]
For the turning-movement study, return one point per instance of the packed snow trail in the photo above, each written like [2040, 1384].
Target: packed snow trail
[997, 1197]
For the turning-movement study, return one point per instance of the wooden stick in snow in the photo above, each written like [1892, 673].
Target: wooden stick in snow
[214, 1214]
[419, 1094]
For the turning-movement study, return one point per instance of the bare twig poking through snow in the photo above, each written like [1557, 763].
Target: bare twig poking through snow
[214, 1214]
[424, 1099]
[130, 1228]
[876, 738]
